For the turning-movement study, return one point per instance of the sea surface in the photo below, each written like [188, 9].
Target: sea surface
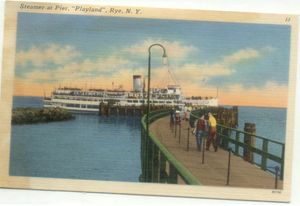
[104, 148]
[89, 147]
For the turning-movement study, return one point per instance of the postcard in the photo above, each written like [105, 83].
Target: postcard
[148, 101]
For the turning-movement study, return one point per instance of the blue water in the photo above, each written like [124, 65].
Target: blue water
[24, 101]
[270, 122]
[105, 148]
[89, 147]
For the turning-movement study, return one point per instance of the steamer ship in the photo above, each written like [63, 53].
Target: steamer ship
[88, 100]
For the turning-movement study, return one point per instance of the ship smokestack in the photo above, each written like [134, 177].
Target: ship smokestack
[137, 83]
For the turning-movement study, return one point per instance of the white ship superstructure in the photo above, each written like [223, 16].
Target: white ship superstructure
[88, 100]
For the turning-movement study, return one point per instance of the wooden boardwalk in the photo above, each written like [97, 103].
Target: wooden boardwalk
[214, 170]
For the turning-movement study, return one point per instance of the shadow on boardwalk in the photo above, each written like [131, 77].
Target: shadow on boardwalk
[214, 170]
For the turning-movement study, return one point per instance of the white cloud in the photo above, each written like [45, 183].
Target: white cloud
[247, 54]
[241, 55]
[175, 49]
[105, 65]
[48, 54]
[74, 71]
[207, 70]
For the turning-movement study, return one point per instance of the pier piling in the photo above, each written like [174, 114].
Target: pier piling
[249, 140]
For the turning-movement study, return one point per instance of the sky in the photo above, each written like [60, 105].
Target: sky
[244, 64]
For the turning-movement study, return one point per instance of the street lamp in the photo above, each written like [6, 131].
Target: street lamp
[165, 61]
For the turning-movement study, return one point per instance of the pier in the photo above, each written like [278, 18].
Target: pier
[169, 155]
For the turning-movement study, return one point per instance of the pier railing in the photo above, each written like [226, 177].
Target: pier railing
[234, 139]
[158, 164]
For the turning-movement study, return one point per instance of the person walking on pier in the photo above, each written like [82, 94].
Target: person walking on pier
[200, 131]
[177, 117]
[187, 115]
[172, 116]
[212, 136]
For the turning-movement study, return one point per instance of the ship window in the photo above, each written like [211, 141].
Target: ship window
[92, 106]
[72, 105]
[129, 101]
[135, 101]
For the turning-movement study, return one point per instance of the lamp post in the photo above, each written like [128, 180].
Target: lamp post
[164, 56]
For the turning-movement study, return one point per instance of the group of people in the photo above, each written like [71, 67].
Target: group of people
[175, 117]
[206, 126]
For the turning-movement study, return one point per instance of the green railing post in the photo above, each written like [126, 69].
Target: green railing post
[172, 174]
[162, 168]
[276, 177]
[155, 163]
[282, 162]
[264, 156]
[146, 157]
[143, 154]
[237, 139]
[226, 133]
[149, 160]
[220, 134]
[152, 161]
